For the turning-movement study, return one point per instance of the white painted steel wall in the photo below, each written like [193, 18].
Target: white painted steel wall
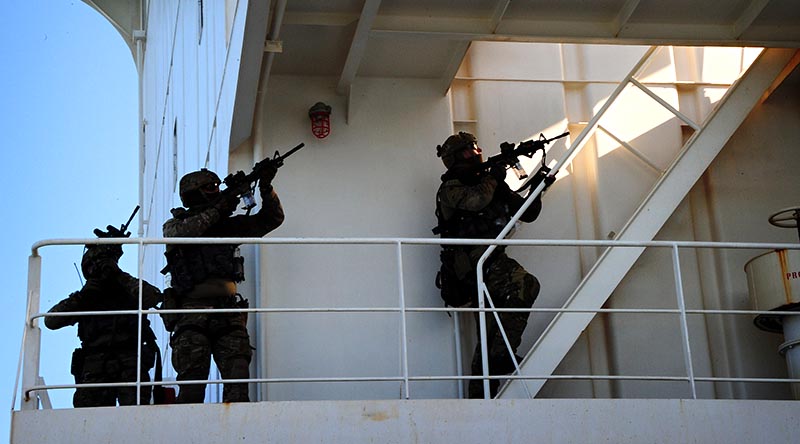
[373, 176]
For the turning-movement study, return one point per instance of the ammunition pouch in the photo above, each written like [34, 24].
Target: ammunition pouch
[182, 276]
[238, 269]
[236, 301]
[456, 278]
[76, 367]
[171, 302]
[190, 265]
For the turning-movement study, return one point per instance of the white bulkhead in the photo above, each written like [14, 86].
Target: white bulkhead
[215, 96]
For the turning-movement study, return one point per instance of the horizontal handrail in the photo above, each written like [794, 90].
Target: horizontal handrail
[416, 310]
[399, 242]
[414, 378]
[408, 241]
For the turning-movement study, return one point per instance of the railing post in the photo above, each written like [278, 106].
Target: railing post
[139, 262]
[33, 337]
[687, 350]
[403, 331]
[459, 358]
[482, 292]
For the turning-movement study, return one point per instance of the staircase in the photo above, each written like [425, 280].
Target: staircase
[695, 157]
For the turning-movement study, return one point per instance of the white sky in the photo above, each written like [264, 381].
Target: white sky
[69, 147]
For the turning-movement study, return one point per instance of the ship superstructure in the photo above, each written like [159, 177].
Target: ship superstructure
[654, 248]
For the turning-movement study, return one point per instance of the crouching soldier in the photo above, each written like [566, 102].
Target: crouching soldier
[109, 344]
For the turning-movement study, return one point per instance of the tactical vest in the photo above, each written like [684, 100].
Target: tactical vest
[112, 331]
[190, 265]
[484, 224]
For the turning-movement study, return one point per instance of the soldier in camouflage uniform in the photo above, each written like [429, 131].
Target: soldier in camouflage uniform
[473, 203]
[205, 276]
[108, 350]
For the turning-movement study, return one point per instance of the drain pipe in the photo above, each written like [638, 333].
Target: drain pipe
[139, 36]
[274, 32]
[791, 349]
[258, 149]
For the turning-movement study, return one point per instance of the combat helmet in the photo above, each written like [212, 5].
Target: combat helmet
[100, 261]
[192, 184]
[455, 143]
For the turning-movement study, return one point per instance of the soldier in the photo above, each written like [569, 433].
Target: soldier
[205, 276]
[472, 203]
[108, 350]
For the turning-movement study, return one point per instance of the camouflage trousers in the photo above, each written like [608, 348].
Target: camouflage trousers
[510, 286]
[196, 339]
[111, 366]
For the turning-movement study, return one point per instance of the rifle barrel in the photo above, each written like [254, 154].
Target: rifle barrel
[125, 225]
[564, 134]
[293, 150]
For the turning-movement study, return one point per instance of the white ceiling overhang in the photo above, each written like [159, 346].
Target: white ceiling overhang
[428, 38]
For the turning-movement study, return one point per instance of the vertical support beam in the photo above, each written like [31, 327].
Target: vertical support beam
[33, 337]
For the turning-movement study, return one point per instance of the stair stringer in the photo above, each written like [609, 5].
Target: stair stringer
[612, 266]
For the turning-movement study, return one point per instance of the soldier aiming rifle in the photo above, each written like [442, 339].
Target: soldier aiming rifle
[205, 276]
[474, 201]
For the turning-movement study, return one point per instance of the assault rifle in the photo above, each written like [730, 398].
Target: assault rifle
[241, 185]
[509, 155]
[112, 231]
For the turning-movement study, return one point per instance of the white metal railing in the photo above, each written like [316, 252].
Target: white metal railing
[29, 358]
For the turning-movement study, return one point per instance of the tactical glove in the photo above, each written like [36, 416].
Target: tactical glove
[268, 173]
[548, 180]
[549, 176]
[543, 175]
[111, 231]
